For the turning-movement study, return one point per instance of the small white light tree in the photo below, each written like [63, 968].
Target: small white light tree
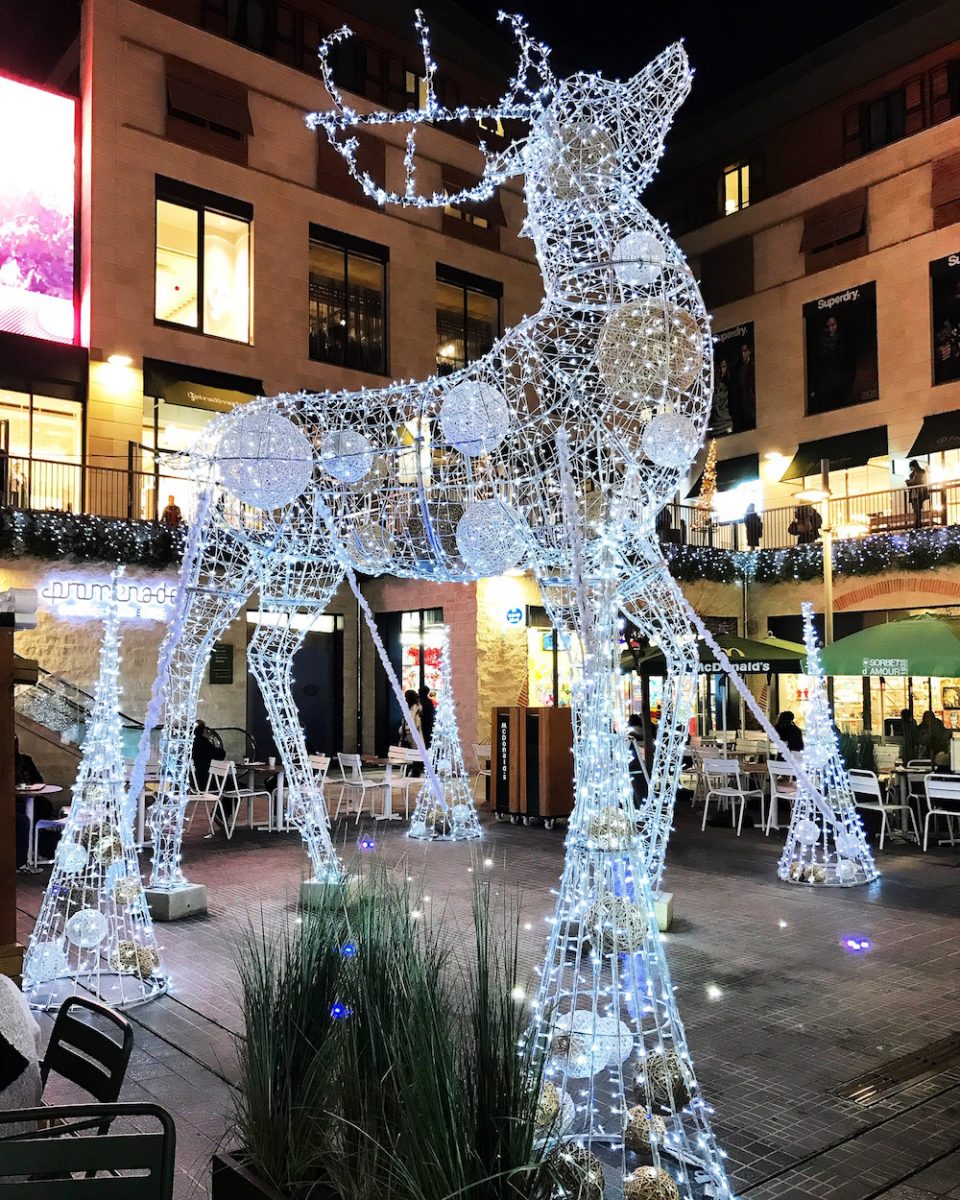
[448, 813]
[94, 933]
[819, 851]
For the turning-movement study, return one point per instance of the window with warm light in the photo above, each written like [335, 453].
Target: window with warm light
[347, 301]
[203, 262]
[736, 188]
[42, 434]
[468, 318]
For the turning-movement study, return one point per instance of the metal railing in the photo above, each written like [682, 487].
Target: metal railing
[45, 485]
[850, 517]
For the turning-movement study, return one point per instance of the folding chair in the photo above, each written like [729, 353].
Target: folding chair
[866, 784]
[943, 800]
[482, 753]
[783, 786]
[724, 784]
[90, 1047]
[354, 781]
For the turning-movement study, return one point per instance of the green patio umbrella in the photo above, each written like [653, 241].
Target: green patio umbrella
[767, 656]
[925, 645]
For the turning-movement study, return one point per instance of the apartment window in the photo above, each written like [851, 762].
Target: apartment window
[736, 188]
[41, 430]
[884, 120]
[347, 301]
[468, 318]
[206, 111]
[416, 89]
[203, 261]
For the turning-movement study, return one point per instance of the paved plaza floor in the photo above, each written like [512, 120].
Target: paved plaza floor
[779, 1013]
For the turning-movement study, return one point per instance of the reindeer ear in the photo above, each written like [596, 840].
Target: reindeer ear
[655, 94]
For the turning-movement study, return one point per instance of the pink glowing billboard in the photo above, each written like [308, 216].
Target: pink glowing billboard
[37, 207]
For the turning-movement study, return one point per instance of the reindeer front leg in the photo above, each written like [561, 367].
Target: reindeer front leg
[651, 603]
[212, 603]
[270, 657]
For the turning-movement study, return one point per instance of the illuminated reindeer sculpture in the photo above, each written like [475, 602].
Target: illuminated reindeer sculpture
[554, 452]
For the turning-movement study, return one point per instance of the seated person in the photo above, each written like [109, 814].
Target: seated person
[20, 1085]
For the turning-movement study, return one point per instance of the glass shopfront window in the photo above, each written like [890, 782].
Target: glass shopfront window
[168, 427]
[42, 433]
[203, 262]
[421, 638]
[468, 318]
[347, 301]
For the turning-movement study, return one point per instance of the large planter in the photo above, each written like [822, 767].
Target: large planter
[232, 1179]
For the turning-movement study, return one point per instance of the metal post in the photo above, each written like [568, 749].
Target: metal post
[826, 533]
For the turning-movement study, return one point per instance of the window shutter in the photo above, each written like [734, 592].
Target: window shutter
[206, 111]
[913, 106]
[334, 179]
[852, 141]
[835, 232]
[945, 191]
[726, 272]
[941, 108]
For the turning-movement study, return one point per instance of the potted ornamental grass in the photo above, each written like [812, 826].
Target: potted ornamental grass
[384, 1057]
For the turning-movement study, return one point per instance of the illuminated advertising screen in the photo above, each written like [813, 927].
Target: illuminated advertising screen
[37, 203]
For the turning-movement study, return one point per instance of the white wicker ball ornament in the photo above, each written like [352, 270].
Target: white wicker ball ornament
[645, 346]
[346, 455]
[87, 928]
[670, 440]
[816, 756]
[639, 259]
[488, 537]
[617, 1037]
[461, 813]
[71, 858]
[807, 831]
[371, 547]
[45, 961]
[848, 845]
[846, 870]
[650, 1183]
[643, 1131]
[582, 160]
[264, 459]
[474, 417]
[617, 924]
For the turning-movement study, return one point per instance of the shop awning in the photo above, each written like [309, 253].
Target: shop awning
[844, 451]
[923, 645]
[196, 387]
[941, 431]
[747, 656]
[731, 472]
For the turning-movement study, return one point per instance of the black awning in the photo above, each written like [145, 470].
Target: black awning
[731, 472]
[941, 431]
[196, 387]
[844, 451]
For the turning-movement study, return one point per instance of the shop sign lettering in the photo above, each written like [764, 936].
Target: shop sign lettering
[72, 597]
[885, 666]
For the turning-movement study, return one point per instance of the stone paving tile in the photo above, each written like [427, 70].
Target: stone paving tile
[797, 1015]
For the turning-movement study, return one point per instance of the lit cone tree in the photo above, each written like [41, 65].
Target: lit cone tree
[94, 934]
[450, 815]
[822, 850]
[708, 486]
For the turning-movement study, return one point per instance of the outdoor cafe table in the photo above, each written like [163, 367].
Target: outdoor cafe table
[386, 766]
[276, 821]
[27, 794]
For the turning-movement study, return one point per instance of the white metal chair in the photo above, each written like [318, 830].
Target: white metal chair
[865, 783]
[321, 765]
[725, 785]
[483, 753]
[356, 782]
[783, 786]
[401, 759]
[943, 800]
[34, 862]
[221, 786]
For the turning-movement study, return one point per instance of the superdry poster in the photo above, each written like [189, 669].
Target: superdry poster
[734, 406]
[841, 339]
[945, 295]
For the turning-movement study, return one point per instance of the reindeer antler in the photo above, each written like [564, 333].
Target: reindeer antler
[526, 95]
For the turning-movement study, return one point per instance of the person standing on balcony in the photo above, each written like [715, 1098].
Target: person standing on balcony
[917, 492]
[753, 526]
[171, 516]
[805, 526]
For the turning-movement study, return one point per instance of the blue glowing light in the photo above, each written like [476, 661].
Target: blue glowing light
[338, 1011]
[349, 950]
[367, 843]
[856, 943]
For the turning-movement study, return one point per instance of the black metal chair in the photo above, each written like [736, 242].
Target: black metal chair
[84, 1053]
[45, 1163]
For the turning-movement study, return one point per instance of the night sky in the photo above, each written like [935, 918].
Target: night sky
[730, 44]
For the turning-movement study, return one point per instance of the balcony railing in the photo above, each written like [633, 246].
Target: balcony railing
[850, 517]
[128, 493]
[44, 485]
